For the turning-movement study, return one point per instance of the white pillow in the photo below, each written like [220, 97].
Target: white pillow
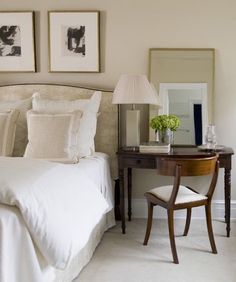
[53, 136]
[8, 121]
[88, 123]
[21, 127]
[45, 105]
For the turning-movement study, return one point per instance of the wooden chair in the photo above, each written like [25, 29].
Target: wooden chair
[175, 197]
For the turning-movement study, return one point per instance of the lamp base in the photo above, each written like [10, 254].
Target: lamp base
[132, 128]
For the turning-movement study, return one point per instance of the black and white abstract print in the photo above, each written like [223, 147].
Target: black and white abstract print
[10, 41]
[74, 41]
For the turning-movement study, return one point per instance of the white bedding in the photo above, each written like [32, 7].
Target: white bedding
[60, 226]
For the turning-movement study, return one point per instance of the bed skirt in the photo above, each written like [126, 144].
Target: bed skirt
[85, 255]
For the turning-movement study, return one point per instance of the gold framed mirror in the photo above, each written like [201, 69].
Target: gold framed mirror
[184, 80]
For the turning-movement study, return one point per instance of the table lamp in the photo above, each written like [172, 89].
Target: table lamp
[134, 89]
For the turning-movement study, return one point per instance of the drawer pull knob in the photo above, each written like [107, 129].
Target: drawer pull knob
[138, 161]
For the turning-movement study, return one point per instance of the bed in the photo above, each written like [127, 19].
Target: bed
[23, 256]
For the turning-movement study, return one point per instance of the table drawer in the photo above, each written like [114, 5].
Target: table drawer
[139, 162]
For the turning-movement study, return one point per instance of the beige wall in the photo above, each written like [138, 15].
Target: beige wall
[128, 29]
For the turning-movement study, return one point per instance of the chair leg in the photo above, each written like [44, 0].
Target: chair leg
[209, 228]
[149, 223]
[170, 214]
[188, 220]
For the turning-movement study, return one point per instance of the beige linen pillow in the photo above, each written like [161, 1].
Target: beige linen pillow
[8, 121]
[88, 123]
[21, 127]
[45, 105]
[53, 136]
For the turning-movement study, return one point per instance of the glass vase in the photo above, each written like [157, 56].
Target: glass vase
[164, 136]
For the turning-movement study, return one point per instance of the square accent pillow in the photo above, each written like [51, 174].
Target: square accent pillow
[45, 105]
[8, 120]
[53, 136]
[21, 127]
[88, 123]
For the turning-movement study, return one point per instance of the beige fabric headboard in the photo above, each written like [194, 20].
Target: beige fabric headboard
[106, 139]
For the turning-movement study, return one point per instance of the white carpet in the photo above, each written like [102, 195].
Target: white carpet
[121, 258]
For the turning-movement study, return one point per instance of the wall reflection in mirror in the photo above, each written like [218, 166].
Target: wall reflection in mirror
[184, 79]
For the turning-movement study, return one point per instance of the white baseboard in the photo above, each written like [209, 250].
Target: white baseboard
[139, 210]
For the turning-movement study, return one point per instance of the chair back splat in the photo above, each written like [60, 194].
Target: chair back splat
[189, 166]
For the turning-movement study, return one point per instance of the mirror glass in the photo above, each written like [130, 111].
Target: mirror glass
[184, 80]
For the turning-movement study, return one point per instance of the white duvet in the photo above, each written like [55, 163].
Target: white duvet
[59, 204]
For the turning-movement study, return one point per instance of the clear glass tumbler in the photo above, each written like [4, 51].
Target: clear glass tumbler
[210, 137]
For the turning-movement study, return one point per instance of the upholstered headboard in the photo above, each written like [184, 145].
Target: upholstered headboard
[106, 139]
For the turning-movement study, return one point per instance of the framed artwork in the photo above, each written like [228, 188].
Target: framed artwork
[74, 41]
[17, 49]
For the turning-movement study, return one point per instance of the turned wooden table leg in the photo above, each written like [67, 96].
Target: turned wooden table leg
[122, 199]
[117, 199]
[129, 193]
[227, 182]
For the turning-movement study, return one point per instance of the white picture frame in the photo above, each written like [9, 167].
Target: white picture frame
[74, 41]
[17, 47]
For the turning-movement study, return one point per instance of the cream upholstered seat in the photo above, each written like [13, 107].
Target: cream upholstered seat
[176, 196]
[185, 195]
